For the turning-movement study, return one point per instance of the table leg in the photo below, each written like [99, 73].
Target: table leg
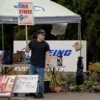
[8, 98]
[2, 70]
[52, 73]
[56, 76]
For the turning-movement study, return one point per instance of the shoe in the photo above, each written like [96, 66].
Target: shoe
[27, 94]
[30, 95]
[38, 95]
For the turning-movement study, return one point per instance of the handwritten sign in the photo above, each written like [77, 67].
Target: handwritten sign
[26, 84]
[6, 85]
[25, 13]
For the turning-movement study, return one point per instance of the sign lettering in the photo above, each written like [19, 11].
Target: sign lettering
[60, 52]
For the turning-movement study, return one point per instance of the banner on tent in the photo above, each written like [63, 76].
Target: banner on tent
[25, 13]
[64, 50]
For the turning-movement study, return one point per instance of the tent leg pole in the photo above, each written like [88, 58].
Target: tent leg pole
[26, 34]
[79, 35]
[2, 38]
[2, 42]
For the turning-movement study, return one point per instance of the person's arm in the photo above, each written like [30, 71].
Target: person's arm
[47, 58]
[28, 47]
[47, 62]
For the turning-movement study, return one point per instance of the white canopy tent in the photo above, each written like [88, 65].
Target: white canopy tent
[45, 12]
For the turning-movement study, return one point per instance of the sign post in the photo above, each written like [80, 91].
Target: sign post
[26, 35]
[25, 15]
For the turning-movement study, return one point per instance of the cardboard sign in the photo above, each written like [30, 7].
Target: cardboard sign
[26, 84]
[25, 13]
[77, 46]
[6, 85]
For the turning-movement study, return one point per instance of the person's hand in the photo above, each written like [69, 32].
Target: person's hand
[27, 49]
[46, 67]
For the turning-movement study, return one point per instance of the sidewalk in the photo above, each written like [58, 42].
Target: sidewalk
[64, 96]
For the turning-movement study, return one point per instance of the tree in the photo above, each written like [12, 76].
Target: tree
[90, 23]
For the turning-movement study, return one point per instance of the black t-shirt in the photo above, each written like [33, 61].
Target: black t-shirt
[38, 50]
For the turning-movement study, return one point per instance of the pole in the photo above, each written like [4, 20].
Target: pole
[26, 35]
[2, 42]
[2, 38]
[79, 35]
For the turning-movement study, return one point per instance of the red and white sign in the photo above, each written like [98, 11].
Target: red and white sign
[7, 85]
[25, 13]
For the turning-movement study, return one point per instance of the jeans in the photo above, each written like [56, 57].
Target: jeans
[40, 71]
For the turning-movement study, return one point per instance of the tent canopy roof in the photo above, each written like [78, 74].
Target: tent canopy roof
[45, 12]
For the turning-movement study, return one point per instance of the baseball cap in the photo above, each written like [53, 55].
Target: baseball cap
[41, 31]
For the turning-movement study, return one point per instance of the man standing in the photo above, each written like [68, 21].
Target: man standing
[40, 54]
